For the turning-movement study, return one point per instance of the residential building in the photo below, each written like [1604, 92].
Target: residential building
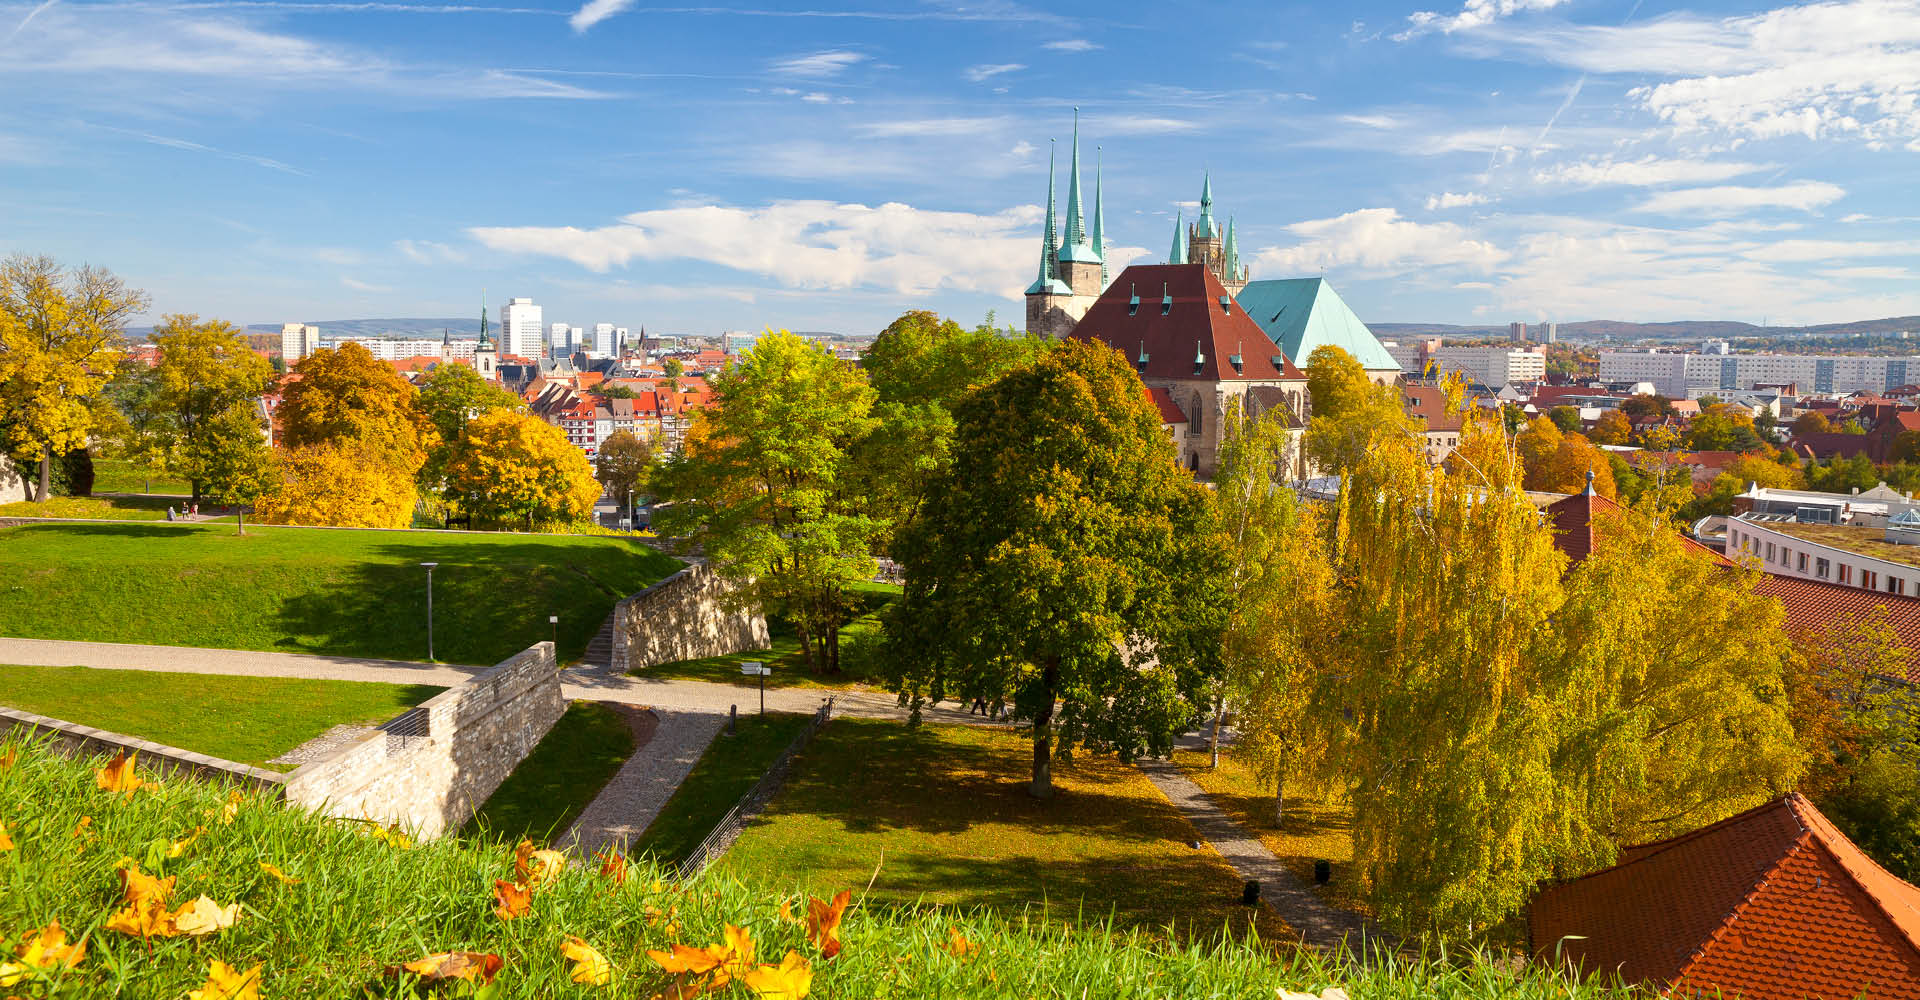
[1517, 332]
[1442, 423]
[1683, 375]
[603, 344]
[1553, 333]
[1772, 904]
[560, 340]
[735, 343]
[1873, 508]
[1304, 314]
[1492, 366]
[520, 329]
[1884, 560]
[297, 340]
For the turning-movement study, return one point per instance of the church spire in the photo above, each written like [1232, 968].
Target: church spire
[1231, 252]
[1099, 220]
[1206, 227]
[1177, 255]
[1076, 221]
[1049, 245]
[483, 318]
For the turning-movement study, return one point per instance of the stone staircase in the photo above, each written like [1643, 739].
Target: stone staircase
[599, 654]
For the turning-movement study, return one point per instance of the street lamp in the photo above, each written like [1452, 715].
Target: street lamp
[554, 620]
[429, 567]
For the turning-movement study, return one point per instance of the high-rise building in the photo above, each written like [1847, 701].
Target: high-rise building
[1493, 366]
[560, 339]
[1517, 332]
[520, 328]
[1553, 333]
[1687, 375]
[603, 342]
[297, 340]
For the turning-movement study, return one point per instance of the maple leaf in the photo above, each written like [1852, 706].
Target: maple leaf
[510, 899]
[682, 989]
[531, 867]
[41, 953]
[137, 886]
[224, 982]
[789, 980]
[277, 873]
[82, 828]
[231, 808]
[7, 759]
[472, 966]
[957, 944]
[590, 968]
[144, 919]
[390, 835]
[203, 916]
[613, 865]
[118, 775]
[6, 842]
[823, 922]
[688, 960]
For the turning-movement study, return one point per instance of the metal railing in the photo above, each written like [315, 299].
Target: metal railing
[728, 829]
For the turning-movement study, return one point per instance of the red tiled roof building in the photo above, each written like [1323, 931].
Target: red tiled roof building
[1772, 904]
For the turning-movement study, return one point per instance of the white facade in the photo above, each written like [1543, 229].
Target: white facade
[560, 339]
[603, 342]
[1491, 366]
[297, 340]
[1683, 375]
[1784, 554]
[520, 328]
[398, 349]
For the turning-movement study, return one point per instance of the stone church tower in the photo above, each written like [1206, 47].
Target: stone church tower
[1073, 264]
[1206, 244]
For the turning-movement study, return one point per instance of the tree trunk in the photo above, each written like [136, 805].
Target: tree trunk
[1279, 796]
[833, 651]
[45, 488]
[1042, 787]
[806, 646]
[240, 517]
[1219, 713]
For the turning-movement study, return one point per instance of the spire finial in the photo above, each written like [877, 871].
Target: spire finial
[1049, 242]
[1589, 490]
[1099, 233]
[1076, 234]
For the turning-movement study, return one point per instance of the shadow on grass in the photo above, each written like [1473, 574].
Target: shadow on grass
[85, 530]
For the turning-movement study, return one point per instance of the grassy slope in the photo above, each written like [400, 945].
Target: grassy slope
[1314, 829]
[543, 796]
[361, 904]
[244, 719]
[731, 765]
[117, 475]
[947, 807]
[784, 654]
[306, 590]
[104, 508]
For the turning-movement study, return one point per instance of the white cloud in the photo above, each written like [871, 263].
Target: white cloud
[1648, 171]
[806, 244]
[977, 74]
[1475, 14]
[1814, 251]
[933, 127]
[1376, 239]
[595, 11]
[1071, 45]
[428, 252]
[361, 286]
[818, 65]
[1372, 121]
[1869, 273]
[1734, 199]
[817, 98]
[1445, 200]
[1136, 125]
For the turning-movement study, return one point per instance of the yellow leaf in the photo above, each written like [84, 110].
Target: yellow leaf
[958, 945]
[203, 916]
[231, 808]
[531, 867]
[277, 873]
[590, 968]
[686, 959]
[82, 828]
[473, 966]
[6, 842]
[823, 922]
[789, 980]
[180, 846]
[118, 775]
[144, 919]
[137, 886]
[42, 952]
[7, 759]
[511, 899]
[613, 865]
[224, 982]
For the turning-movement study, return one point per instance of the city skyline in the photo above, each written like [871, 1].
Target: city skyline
[702, 169]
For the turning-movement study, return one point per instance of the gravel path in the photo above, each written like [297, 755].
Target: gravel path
[642, 786]
[240, 662]
[1317, 923]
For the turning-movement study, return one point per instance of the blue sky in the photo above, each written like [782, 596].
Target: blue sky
[826, 166]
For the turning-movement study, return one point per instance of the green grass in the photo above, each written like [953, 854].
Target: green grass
[548, 791]
[117, 475]
[943, 813]
[783, 655]
[731, 765]
[315, 590]
[361, 904]
[1314, 827]
[103, 508]
[248, 720]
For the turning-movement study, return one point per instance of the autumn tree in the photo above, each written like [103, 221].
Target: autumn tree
[763, 482]
[1351, 414]
[1660, 437]
[60, 333]
[674, 371]
[513, 466]
[206, 370]
[1567, 418]
[347, 398]
[143, 432]
[1613, 427]
[622, 465]
[448, 397]
[230, 457]
[1278, 591]
[339, 485]
[1559, 462]
[1811, 422]
[1064, 561]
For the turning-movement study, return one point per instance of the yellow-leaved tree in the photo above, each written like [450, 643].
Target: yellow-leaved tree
[352, 442]
[344, 486]
[511, 466]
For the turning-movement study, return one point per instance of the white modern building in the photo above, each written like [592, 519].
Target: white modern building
[401, 348]
[1493, 366]
[1684, 375]
[560, 339]
[297, 340]
[604, 344]
[1885, 559]
[520, 329]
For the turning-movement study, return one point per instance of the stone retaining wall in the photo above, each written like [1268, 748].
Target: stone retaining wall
[13, 484]
[430, 769]
[682, 618]
[169, 761]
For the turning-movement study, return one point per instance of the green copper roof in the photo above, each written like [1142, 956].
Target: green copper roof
[1048, 277]
[1206, 226]
[1177, 255]
[1301, 314]
[1099, 220]
[1231, 250]
[1075, 246]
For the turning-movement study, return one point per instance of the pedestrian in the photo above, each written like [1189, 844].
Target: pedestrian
[169, 512]
[979, 706]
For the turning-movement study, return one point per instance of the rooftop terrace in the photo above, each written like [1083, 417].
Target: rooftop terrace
[1863, 541]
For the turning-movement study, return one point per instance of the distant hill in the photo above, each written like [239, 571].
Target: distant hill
[1595, 329]
[463, 326]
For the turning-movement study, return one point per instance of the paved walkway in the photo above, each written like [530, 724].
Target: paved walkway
[634, 796]
[1318, 923]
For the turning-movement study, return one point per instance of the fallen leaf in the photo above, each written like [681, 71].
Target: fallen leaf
[590, 968]
[690, 960]
[789, 980]
[823, 922]
[144, 919]
[224, 982]
[203, 916]
[7, 759]
[390, 835]
[41, 953]
[531, 867]
[6, 842]
[786, 912]
[118, 775]
[82, 828]
[231, 808]
[180, 846]
[137, 886]
[681, 989]
[277, 873]
[613, 865]
[510, 899]
[473, 966]
[957, 944]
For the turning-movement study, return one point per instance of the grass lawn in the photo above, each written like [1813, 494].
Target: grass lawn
[103, 508]
[248, 720]
[943, 814]
[784, 654]
[315, 590]
[543, 796]
[118, 475]
[731, 765]
[1314, 829]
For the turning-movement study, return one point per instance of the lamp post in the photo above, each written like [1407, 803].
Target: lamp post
[554, 620]
[429, 567]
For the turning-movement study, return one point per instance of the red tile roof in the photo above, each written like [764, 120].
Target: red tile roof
[1772, 903]
[1195, 324]
[1169, 410]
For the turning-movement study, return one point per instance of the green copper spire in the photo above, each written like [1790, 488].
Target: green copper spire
[1177, 255]
[1231, 251]
[1099, 220]
[1206, 227]
[483, 319]
[1048, 282]
[1074, 246]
